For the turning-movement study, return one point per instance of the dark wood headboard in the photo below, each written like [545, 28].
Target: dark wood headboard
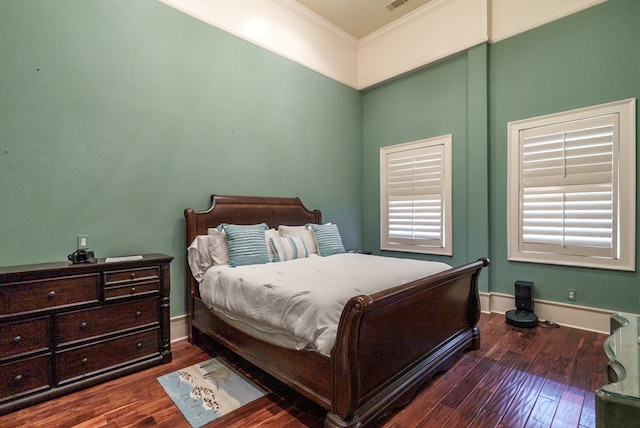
[273, 211]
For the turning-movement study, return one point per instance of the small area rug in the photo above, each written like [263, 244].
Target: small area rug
[205, 391]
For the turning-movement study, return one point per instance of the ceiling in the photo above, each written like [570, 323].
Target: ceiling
[361, 17]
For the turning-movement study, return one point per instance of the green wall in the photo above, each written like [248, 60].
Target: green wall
[116, 116]
[585, 59]
[432, 102]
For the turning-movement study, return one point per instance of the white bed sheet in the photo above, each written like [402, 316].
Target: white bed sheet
[304, 298]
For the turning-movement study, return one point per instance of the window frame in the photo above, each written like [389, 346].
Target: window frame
[623, 189]
[444, 246]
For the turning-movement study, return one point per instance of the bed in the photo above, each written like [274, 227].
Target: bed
[387, 345]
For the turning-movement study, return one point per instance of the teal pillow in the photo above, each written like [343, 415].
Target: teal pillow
[328, 239]
[246, 245]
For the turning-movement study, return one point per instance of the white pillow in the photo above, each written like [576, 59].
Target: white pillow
[219, 252]
[302, 232]
[199, 256]
[288, 248]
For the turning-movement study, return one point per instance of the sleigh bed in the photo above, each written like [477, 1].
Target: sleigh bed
[387, 345]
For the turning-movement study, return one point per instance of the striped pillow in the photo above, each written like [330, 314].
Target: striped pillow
[328, 239]
[246, 245]
[303, 232]
[288, 248]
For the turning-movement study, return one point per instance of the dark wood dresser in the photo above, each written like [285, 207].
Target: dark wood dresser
[64, 327]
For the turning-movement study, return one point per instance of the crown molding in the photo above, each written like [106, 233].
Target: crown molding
[402, 21]
[442, 27]
[296, 8]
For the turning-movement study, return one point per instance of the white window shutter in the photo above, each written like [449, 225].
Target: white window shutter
[568, 187]
[415, 191]
[571, 187]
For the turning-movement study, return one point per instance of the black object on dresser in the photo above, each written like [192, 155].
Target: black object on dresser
[67, 326]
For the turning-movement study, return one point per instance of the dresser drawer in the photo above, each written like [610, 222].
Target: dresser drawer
[131, 282]
[24, 376]
[24, 337]
[131, 290]
[119, 277]
[45, 294]
[87, 360]
[80, 325]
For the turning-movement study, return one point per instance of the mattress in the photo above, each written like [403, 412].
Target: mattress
[298, 303]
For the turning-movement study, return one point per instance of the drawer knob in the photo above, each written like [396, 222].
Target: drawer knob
[51, 294]
[17, 379]
[17, 339]
[85, 360]
[83, 325]
[133, 290]
[133, 275]
[139, 345]
[138, 314]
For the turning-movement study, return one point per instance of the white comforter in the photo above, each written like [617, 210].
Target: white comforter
[305, 297]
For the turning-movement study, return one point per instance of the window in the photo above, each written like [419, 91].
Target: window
[571, 188]
[415, 196]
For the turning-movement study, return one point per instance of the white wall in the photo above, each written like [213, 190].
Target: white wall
[510, 17]
[435, 31]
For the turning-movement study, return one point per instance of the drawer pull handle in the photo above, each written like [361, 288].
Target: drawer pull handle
[139, 345]
[83, 325]
[17, 339]
[85, 361]
[51, 294]
[133, 275]
[133, 290]
[17, 379]
[138, 314]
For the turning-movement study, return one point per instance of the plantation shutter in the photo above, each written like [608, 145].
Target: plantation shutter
[568, 189]
[415, 196]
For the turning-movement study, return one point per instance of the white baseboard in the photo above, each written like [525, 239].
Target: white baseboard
[580, 317]
[179, 329]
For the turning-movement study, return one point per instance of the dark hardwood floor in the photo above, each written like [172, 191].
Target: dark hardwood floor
[540, 377]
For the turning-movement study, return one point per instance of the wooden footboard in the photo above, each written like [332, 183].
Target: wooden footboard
[306, 372]
[388, 345]
[391, 342]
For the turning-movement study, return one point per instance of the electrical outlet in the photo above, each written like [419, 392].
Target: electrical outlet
[571, 294]
[83, 241]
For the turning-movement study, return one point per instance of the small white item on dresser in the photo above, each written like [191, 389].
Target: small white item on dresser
[123, 259]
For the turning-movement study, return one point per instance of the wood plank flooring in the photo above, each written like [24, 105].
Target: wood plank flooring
[540, 377]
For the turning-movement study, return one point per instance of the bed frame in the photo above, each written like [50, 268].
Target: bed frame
[388, 344]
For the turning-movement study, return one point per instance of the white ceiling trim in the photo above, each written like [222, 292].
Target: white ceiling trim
[403, 20]
[432, 32]
[313, 18]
